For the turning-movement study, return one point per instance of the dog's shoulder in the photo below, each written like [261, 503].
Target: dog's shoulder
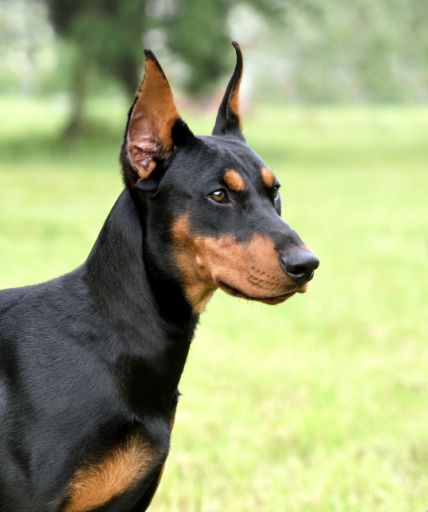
[32, 308]
[50, 331]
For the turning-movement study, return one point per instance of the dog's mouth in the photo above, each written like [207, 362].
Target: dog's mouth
[266, 300]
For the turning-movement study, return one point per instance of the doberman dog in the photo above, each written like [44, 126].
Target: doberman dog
[90, 362]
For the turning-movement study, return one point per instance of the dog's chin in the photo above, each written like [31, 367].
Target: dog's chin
[272, 301]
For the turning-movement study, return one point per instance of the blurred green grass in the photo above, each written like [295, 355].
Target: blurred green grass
[319, 402]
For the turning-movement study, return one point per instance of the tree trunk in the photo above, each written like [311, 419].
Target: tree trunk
[79, 91]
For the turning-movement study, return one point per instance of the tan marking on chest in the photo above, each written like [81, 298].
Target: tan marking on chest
[98, 482]
[234, 180]
[267, 176]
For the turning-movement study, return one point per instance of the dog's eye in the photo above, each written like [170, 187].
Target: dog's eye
[275, 193]
[219, 196]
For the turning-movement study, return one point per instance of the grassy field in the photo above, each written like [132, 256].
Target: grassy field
[318, 404]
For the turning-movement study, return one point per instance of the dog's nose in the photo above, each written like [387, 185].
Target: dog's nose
[300, 265]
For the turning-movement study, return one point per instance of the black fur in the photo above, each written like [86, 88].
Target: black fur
[97, 354]
[227, 122]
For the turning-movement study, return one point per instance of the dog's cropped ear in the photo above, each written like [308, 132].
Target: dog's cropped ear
[229, 120]
[154, 129]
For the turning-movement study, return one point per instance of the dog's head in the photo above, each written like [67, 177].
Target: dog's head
[211, 205]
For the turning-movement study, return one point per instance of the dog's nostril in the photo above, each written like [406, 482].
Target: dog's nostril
[300, 265]
[297, 270]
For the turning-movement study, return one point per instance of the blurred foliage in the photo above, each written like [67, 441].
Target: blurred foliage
[361, 52]
[107, 35]
[299, 51]
[199, 32]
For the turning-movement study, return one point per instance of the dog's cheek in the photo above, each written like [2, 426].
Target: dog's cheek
[194, 271]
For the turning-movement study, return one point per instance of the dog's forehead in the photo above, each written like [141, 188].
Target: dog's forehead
[231, 153]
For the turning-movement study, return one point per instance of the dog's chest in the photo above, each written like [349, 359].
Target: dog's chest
[99, 481]
[132, 465]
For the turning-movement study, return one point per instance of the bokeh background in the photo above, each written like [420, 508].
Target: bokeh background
[319, 403]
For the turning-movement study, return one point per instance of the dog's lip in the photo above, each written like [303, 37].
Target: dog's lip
[304, 287]
[267, 300]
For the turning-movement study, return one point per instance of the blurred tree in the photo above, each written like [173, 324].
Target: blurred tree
[199, 31]
[108, 33]
[363, 51]
[331, 51]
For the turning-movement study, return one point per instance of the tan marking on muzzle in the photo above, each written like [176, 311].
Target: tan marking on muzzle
[267, 177]
[250, 267]
[234, 180]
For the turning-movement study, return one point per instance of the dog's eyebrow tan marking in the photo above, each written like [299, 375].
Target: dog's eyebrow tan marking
[234, 180]
[267, 177]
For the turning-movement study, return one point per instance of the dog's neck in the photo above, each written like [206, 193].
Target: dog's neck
[133, 303]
